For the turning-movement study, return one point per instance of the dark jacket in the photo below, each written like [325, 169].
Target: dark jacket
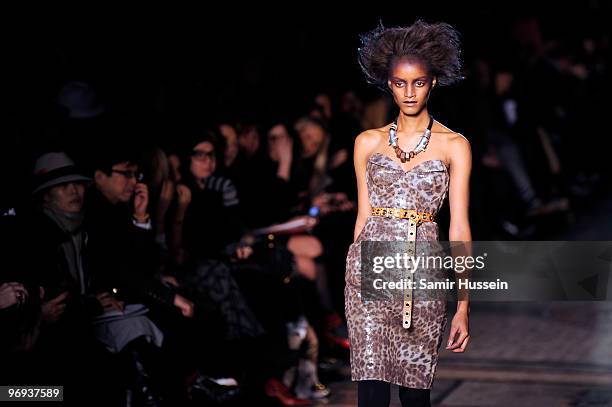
[212, 221]
[52, 271]
[121, 255]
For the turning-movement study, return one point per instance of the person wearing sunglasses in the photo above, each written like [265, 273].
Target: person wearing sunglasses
[120, 232]
[206, 220]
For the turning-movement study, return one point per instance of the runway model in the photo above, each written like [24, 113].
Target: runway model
[405, 170]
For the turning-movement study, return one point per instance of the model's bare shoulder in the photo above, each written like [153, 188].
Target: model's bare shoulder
[458, 149]
[367, 142]
[453, 144]
[446, 133]
[458, 141]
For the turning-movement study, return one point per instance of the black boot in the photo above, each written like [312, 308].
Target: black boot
[141, 389]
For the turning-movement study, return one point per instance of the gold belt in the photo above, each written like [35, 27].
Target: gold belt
[400, 213]
[415, 219]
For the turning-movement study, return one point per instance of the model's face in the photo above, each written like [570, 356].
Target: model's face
[410, 82]
[203, 161]
[67, 198]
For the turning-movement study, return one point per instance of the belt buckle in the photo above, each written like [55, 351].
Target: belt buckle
[413, 215]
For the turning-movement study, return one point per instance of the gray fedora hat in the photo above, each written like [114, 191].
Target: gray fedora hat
[54, 169]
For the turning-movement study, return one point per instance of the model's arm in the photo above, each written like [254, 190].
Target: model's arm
[459, 193]
[364, 145]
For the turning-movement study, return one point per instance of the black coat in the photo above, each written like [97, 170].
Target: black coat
[48, 262]
[121, 255]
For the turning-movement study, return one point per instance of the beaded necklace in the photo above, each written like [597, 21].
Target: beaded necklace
[421, 145]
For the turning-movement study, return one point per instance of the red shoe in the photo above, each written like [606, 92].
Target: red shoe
[275, 388]
[340, 342]
[335, 331]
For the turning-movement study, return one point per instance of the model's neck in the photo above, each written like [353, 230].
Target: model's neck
[410, 124]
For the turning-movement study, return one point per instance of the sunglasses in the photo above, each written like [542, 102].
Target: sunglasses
[130, 174]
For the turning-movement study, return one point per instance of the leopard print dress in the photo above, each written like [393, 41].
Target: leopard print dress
[381, 348]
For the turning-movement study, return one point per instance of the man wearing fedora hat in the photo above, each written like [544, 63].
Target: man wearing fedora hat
[74, 299]
[59, 189]
[66, 347]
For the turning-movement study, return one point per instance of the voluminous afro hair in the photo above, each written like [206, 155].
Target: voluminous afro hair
[437, 45]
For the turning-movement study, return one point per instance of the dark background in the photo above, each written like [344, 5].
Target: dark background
[246, 61]
[163, 69]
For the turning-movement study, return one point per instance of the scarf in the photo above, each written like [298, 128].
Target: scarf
[72, 248]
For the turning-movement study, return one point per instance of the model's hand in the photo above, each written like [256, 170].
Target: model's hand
[459, 333]
[141, 200]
